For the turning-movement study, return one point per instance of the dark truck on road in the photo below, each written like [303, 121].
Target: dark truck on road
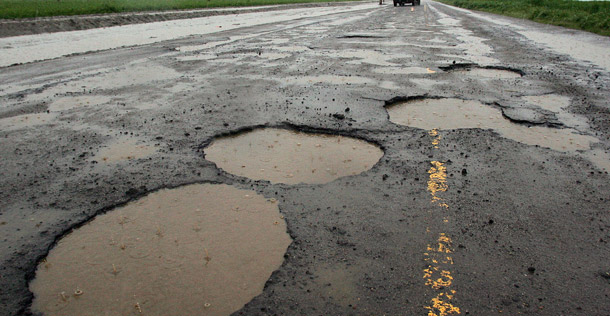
[403, 2]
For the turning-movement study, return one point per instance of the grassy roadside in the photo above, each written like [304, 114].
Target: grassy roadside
[591, 16]
[12, 9]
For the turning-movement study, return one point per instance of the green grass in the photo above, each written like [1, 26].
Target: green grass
[12, 9]
[589, 16]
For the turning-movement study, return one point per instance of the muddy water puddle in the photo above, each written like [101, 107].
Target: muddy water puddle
[372, 57]
[488, 73]
[69, 103]
[26, 121]
[201, 249]
[340, 283]
[124, 149]
[133, 74]
[283, 156]
[455, 113]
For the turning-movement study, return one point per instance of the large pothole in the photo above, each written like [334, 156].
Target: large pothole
[198, 249]
[450, 113]
[283, 156]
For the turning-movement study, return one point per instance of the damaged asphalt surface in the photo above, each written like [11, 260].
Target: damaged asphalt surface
[529, 225]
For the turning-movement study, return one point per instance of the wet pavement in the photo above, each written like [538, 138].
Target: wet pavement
[426, 162]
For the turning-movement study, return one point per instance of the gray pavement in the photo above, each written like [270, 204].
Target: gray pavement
[515, 225]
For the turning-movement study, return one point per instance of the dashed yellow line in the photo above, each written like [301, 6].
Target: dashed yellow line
[437, 274]
[438, 182]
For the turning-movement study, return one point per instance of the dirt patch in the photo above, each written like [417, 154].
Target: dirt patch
[283, 156]
[182, 251]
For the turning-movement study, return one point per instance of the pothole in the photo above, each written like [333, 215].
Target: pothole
[491, 72]
[198, 249]
[283, 156]
[372, 57]
[26, 121]
[123, 149]
[449, 113]
[68, 103]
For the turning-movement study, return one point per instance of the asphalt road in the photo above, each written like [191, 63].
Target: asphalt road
[476, 219]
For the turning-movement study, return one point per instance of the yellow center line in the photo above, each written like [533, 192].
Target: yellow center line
[437, 274]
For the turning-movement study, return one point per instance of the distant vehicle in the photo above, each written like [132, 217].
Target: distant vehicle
[403, 2]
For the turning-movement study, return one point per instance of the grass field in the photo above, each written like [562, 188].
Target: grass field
[11, 9]
[593, 16]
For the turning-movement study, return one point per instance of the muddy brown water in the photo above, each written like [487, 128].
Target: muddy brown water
[452, 113]
[69, 103]
[26, 121]
[283, 156]
[198, 249]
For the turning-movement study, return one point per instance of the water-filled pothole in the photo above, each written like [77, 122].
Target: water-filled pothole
[26, 121]
[283, 156]
[69, 103]
[449, 113]
[201, 247]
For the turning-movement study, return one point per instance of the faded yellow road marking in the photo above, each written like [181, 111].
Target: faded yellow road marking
[437, 273]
